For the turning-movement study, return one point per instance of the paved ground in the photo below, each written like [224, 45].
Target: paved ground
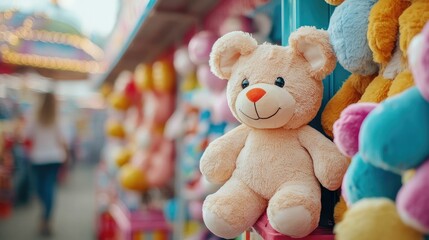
[74, 215]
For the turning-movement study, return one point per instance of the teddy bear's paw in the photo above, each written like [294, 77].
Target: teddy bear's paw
[219, 226]
[293, 221]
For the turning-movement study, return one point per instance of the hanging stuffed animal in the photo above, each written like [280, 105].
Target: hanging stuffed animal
[152, 165]
[119, 102]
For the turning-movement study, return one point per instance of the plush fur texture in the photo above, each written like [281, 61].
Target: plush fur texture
[403, 81]
[271, 164]
[411, 20]
[364, 180]
[346, 129]
[340, 209]
[391, 26]
[374, 219]
[387, 144]
[384, 27]
[377, 90]
[348, 32]
[413, 201]
[383, 146]
[418, 52]
[392, 149]
[349, 93]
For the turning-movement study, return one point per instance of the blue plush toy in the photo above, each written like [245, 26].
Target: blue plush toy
[393, 138]
[347, 30]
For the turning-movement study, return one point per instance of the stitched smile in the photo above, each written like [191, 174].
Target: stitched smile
[259, 118]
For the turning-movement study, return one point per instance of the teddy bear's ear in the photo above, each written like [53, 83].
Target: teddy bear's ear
[227, 50]
[315, 47]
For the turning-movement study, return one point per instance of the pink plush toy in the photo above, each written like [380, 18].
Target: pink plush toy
[274, 161]
[347, 127]
[236, 23]
[413, 200]
[208, 80]
[200, 46]
[418, 54]
[182, 63]
[213, 95]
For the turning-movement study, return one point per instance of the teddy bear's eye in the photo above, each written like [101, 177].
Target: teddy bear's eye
[280, 82]
[245, 83]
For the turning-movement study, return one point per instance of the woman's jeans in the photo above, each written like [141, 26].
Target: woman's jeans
[46, 180]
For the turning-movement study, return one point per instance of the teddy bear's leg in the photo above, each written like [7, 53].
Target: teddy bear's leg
[294, 210]
[377, 90]
[349, 93]
[233, 209]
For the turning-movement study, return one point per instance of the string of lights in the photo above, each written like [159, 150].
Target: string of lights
[14, 36]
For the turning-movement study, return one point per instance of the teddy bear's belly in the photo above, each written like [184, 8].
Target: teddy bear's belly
[265, 171]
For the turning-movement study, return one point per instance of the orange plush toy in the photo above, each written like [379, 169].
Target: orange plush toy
[386, 31]
[392, 25]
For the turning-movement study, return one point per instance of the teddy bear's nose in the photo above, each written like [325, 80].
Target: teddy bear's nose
[255, 94]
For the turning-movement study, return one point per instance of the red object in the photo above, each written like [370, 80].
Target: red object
[132, 91]
[5, 209]
[267, 232]
[28, 145]
[6, 68]
[106, 227]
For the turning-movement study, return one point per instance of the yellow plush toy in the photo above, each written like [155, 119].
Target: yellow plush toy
[379, 218]
[115, 129]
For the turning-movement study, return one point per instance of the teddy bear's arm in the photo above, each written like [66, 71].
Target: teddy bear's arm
[329, 164]
[218, 160]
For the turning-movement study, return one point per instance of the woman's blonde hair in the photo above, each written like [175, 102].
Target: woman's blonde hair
[47, 112]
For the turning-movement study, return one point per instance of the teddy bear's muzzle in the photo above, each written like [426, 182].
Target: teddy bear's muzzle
[265, 106]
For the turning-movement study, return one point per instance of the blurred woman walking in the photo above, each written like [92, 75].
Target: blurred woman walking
[48, 152]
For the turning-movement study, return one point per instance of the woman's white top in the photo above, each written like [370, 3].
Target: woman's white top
[46, 143]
